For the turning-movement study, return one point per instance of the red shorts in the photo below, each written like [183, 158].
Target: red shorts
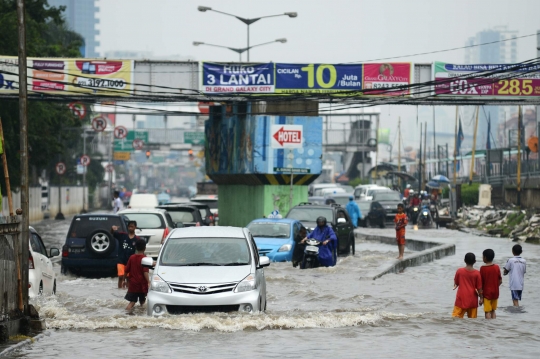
[400, 238]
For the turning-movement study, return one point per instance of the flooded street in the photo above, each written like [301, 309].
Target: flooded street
[320, 312]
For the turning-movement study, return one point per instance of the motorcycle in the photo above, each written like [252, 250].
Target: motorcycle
[424, 217]
[413, 214]
[434, 213]
[311, 254]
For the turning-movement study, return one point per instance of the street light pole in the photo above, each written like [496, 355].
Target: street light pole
[247, 21]
[240, 51]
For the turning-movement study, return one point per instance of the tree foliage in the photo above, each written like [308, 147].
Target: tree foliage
[46, 36]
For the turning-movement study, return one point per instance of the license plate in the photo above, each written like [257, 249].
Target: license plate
[76, 250]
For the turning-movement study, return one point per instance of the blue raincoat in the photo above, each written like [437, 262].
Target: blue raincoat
[326, 253]
[354, 212]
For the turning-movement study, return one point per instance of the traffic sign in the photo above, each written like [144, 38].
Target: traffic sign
[99, 124]
[195, 138]
[109, 168]
[138, 144]
[78, 109]
[85, 160]
[286, 136]
[122, 156]
[60, 168]
[275, 214]
[126, 144]
[120, 132]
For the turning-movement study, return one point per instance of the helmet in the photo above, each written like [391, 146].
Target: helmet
[408, 186]
[321, 221]
[411, 192]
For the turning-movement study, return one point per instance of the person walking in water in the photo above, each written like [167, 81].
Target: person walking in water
[354, 211]
[491, 280]
[469, 285]
[139, 280]
[516, 267]
[401, 222]
[117, 203]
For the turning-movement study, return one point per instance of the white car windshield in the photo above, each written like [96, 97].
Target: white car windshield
[270, 230]
[205, 252]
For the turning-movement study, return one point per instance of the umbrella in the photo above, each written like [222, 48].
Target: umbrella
[433, 184]
[441, 179]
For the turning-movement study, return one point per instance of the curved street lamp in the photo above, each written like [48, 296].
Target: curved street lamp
[247, 21]
[240, 51]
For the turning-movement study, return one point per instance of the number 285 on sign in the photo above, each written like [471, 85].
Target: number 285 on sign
[517, 87]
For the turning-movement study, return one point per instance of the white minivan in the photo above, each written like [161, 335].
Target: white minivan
[360, 192]
[41, 276]
[143, 200]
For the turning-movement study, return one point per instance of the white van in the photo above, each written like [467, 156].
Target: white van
[143, 200]
[360, 191]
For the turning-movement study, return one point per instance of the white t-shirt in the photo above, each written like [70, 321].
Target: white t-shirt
[118, 205]
[516, 267]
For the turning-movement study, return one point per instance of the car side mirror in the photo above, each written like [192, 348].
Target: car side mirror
[54, 252]
[264, 262]
[147, 262]
[341, 220]
[179, 225]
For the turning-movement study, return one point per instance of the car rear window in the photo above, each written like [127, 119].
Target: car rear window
[184, 216]
[270, 230]
[386, 196]
[146, 220]
[307, 214]
[212, 203]
[82, 227]
[341, 200]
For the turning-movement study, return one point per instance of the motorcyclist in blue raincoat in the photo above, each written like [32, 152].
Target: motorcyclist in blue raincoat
[354, 211]
[325, 234]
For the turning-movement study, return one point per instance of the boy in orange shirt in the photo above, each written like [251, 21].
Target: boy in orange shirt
[469, 284]
[401, 222]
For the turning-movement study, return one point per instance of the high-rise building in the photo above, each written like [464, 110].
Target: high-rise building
[81, 17]
[501, 50]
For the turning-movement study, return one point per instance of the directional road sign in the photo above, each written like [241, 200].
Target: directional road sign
[85, 160]
[126, 144]
[286, 136]
[99, 124]
[120, 132]
[195, 138]
[60, 168]
[286, 170]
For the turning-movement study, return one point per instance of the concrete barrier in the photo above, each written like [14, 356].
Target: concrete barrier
[425, 251]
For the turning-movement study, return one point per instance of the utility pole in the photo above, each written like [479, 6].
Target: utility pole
[474, 146]
[377, 150]
[454, 199]
[23, 98]
[520, 121]
[420, 179]
[424, 169]
[399, 151]
[434, 139]
[84, 175]
[59, 215]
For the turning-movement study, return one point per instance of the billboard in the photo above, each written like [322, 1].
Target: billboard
[317, 78]
[244, 145]
[381, 78]
[494, 80]
[69, 76]
[230, 78]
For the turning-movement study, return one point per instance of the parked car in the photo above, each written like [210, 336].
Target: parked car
[188, 216]
[375, 215]
[207, 269]
[364, 210]
[204, 209]
[90, 245]
[336, 216]
[41, 276]
[329, 191]
[212, 201]
[275, 237]
[143, 200]
[389, 201]
[315, 186]
[153, 225]
[340, 198]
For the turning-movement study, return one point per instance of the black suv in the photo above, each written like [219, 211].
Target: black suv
[206, 213]
[336, 216]
[90, 246]
[188, 215]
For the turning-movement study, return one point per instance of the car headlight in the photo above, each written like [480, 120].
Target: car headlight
[425, 213]
[159, 285]
[285, 248]
[246, 284]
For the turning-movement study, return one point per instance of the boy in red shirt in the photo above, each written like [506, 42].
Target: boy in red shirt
[469, 284]
[401, 222]
[491, 280]
[139, 280]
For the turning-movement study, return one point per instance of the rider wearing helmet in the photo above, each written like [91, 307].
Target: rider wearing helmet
[325, 234]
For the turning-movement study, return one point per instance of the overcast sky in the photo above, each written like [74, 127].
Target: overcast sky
[325, 31]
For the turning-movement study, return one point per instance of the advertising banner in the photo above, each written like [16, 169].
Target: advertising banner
[317, 78]
[69, 76]
[386, 76]
[231, 78]
[500, 80]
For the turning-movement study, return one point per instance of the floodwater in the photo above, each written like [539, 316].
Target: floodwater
[323, 312]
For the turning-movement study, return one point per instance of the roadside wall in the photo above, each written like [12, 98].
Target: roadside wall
[71, 197]
[530, 197]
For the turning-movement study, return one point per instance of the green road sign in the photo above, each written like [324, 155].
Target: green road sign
[126, 144]
[195, 138]
[286, 170]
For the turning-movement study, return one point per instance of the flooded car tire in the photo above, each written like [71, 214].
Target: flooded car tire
[100, 243]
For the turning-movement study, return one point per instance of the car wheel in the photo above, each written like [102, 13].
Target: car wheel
[40, 291]
[54, 288]
[368, 223]
[352, 242]
[100, 243]
[265, 302]
[383, 224]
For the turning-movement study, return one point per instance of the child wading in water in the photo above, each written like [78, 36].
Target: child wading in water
[139, 281]
[401, 222]
[491, 280]
[469, 285]
[516, 267]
